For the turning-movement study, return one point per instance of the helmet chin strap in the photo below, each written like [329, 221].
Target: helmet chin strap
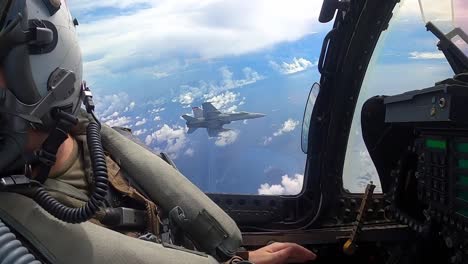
[47, 155]
[12, 146]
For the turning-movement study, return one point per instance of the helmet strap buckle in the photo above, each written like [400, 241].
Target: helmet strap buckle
[47, 154]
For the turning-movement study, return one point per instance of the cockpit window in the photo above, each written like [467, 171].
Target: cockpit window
[406, 58]
[220, 86]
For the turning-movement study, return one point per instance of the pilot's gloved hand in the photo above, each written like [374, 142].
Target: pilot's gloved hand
[281, 253]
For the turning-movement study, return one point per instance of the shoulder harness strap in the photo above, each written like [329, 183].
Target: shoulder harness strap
[118, 181]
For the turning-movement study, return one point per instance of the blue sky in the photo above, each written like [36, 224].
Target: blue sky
[149, 61]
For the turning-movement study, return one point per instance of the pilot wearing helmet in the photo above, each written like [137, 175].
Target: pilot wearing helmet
[76, 191]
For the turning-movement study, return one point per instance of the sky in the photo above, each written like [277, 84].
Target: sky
[149, 61]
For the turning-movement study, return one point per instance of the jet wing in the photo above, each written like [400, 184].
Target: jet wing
[210, 111]
[214, 132]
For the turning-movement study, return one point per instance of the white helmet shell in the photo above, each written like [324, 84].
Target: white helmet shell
[40, 50]
[66, 55]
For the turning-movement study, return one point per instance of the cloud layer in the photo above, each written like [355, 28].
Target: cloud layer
[139, 132]
[171, 140]
[141, 122]
[198, 29]
[112, 105]
[119, 121]
[210, 90]
[426, 55]
[297, 65]
[226, 138]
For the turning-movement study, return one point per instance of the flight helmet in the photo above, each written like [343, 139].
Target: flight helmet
[42, 65]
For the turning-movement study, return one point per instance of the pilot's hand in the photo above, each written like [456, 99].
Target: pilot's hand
[281, 253]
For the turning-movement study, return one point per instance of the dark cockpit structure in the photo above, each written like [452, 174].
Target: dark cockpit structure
[417, 141]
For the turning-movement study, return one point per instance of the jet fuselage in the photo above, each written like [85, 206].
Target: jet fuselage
[213, 120]
[222, 119]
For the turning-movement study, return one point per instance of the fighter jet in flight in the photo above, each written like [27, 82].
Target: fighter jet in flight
[213, 120]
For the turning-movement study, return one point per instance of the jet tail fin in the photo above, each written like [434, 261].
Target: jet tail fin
[197, 112]
[209, 111]
[189, 118]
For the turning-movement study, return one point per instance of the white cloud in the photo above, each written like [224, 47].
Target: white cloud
[160, 75]
[141, 122]
[161, 68]
[232, 109]
[267, 189]
[433, 11]
[110, 104]
[250, 76]
[426, 55]
[201, 29]
[189, 152]
[209, 90]
[224, 101]
[186, 98]
[130, 107]
[367, 171]
[171, 140]
[410, 11]
[140, 132]
[113, 115]
[156, 110]
[157, 102]
[267, 141]
[289, 186]
[358, 176]
[288, 126]
[226, 138]
[297, 65]
[120, 121]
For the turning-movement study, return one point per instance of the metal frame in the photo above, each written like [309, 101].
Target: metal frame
[345, 56]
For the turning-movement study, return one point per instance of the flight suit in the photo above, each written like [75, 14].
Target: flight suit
[61, 242]
[66, 243]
